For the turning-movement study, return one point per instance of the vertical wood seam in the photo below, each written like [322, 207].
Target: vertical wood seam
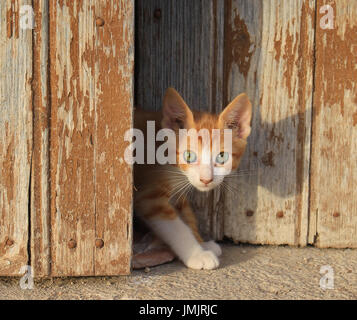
[49, 111]
[308, 236]
[30, 198]
[40, 122]
[95, 151]
[29, 211]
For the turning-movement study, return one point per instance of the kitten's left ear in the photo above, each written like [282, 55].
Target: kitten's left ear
[176, 113]
[237, 116]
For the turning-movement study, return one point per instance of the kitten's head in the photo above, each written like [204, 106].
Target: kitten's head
[208, 160]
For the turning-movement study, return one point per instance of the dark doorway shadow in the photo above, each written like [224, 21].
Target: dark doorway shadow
[181, 44]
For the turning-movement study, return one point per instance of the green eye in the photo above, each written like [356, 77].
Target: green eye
[222, 157]
[190, 156]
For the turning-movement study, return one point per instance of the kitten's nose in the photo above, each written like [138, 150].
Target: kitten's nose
[206, 181]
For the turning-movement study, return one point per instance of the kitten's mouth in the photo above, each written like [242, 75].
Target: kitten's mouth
[204, 188]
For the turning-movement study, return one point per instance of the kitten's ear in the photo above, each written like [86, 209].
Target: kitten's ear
[176, 113]
[237, 116]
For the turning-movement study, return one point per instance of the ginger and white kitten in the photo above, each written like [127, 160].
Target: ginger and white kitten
[156, 185]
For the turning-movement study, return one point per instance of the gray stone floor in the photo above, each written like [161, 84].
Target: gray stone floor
[246, 272]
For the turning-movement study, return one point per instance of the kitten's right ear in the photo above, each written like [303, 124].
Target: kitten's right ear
[176, 113]
[237, 116]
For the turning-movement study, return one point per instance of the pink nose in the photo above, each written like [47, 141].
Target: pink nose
[206, 181]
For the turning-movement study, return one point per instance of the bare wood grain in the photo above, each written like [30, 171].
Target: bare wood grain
[15, 137]
[113, 116]
[269, 54]
[333, 220]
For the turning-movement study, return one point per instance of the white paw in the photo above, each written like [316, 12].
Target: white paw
[203, 259]
[212, 246]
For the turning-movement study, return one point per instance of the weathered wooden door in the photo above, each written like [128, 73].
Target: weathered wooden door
[66, 91]
[67, 96]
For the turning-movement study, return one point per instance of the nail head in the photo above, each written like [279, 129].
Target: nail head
[99, 22]
[72, 244]
[9, 242]
[336, 214]
[249, 213]
[157, 13]
[99, 243]
[280, 214]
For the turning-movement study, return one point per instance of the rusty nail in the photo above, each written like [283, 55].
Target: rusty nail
[336, 214]
[72, 244]
[9, 242]
[249, 213]
[280, 214]
[99, 22]
[99, 243]
[157, 14]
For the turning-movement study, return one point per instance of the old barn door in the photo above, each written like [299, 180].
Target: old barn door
[66, 101]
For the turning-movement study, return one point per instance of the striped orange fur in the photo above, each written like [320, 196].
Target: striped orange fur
[161, 190]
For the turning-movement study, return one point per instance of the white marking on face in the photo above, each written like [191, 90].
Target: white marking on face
[202, 177]
[206, 174]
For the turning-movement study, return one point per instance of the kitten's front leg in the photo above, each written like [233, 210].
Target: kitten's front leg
[163, 219]
[189, 218]
[181, 240]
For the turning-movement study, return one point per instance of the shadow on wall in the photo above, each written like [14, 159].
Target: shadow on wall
[272, 174]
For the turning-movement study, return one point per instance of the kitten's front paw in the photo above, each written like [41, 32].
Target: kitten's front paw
[203, 260]
[212, 246]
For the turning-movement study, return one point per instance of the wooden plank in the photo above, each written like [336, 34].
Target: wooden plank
[269, 54]
[114, 52]
[72, 153]
[15, 137]
[40, 176]
[180, 44]
[91, 60]
[333, 220]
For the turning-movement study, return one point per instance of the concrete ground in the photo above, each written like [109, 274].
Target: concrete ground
[246, 272]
